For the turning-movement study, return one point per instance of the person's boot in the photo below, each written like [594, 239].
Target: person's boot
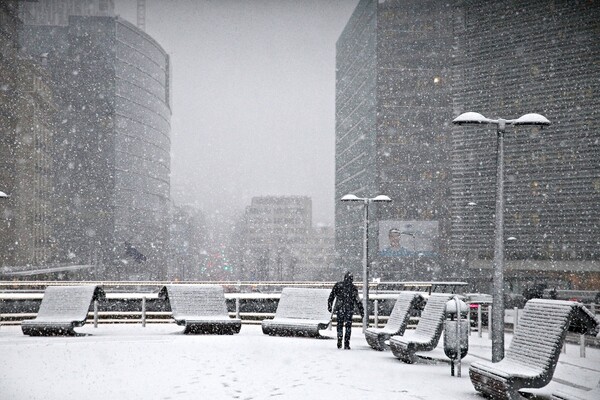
[339, 344]
[347, 345]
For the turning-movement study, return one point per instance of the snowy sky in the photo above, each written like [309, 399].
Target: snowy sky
[253, 98]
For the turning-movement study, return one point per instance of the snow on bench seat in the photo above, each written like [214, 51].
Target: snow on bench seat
[532, 356]
[428, 332]
[396, 324]
[63, 308]
[300, 312]
[200, 308]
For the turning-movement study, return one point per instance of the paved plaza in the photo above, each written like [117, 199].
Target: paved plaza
[128, 361]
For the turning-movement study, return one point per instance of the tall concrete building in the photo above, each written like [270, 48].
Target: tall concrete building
[28, 116]
[405, 69]
[511, 59]
[393, 108]
[113, 143]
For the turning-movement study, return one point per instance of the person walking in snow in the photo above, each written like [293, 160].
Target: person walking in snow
[345, 295]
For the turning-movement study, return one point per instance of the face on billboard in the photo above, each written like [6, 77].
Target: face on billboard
[399, 238]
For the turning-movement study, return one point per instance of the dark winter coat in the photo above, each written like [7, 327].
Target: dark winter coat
[346, 297]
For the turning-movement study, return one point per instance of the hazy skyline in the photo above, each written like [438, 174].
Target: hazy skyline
[253, 98]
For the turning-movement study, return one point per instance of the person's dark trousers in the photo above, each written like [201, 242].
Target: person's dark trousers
[344, 320]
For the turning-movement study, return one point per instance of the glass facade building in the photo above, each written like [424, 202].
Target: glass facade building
[142, 142]
[112, 145]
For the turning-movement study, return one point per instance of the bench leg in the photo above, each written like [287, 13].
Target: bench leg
[495, 389]
[44, 331]
[374, 342]
[406, 356]
[514, 395]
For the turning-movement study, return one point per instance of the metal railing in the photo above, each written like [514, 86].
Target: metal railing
[143, 315]
[134, 297]
[243, 286]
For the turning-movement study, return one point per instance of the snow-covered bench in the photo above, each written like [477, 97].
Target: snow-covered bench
[396, 324]
[201, 308]
[300, 312]
[534, 350]
[63, 308]
[428, 332]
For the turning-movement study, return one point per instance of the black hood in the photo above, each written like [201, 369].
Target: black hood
[348, 277]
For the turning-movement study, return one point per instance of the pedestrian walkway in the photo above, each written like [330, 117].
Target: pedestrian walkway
[127, 361]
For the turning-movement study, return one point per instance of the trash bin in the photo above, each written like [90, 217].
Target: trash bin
[456, 340]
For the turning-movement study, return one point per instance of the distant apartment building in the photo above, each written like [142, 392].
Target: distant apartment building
[318, 261]
[275, 233]
[112, 144]
[188, 244]
[273, 238]
[57, 12]
[405, 69]
[393, 107]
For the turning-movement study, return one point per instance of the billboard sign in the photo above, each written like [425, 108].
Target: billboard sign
[408, 238]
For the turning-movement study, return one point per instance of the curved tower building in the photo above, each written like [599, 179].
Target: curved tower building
[112, 144]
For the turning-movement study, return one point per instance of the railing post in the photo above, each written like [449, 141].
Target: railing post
[582, 346]
[144, 311]
[458, 342]
[237, 299]
[564, 349]
[469, 319]
[95, 313]
[479, 322]
[376, 312]
[489, 322]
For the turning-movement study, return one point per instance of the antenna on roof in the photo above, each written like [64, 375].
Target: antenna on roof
[141, 14]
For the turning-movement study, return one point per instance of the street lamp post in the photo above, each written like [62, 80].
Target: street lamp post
[366, 201]
[473, 118]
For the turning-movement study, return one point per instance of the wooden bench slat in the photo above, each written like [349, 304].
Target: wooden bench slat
[532, 355]
[428, 332]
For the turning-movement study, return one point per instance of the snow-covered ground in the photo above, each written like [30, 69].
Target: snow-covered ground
[158, 362]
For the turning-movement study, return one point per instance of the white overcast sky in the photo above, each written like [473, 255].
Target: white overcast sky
[253, 98]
